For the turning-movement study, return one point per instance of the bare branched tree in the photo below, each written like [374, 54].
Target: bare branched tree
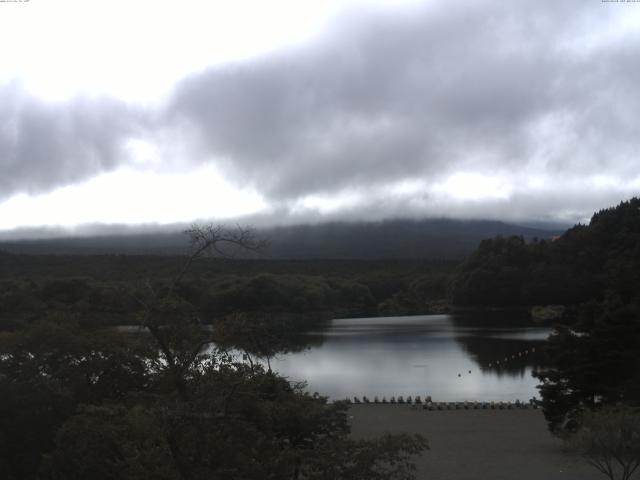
[172, 321]
[221, 241]
[609, 439]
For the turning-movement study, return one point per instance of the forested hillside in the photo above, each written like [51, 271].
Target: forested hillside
[102, 290]
[435, 239]
[595, 270]
[583, 264]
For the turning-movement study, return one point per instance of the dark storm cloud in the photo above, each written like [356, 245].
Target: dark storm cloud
[46, 144]
[481, 86]
[509, 88]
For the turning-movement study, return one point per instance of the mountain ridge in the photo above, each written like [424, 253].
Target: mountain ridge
[428, 238]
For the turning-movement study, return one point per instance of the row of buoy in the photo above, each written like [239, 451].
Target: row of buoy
[497, 363]
[517, 405]
[504, 361]
[417, 400]
[428, 404]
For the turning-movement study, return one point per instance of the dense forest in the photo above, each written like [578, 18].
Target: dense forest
[102, 289]
[585, 263]
[594, 271]
[81, 399]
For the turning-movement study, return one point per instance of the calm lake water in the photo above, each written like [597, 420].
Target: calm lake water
[451, 358]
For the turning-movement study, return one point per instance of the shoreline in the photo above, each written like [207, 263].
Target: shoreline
[475, 444]
[428, 404]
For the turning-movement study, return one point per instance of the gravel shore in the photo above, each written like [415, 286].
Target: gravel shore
[476, 444]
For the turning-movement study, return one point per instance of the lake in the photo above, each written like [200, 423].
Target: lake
[451, 358]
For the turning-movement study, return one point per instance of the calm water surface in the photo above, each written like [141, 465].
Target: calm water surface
[451, 358]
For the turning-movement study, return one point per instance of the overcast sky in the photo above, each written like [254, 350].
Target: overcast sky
[287, 111]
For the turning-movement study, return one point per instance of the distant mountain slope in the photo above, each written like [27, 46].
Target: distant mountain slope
[431, 238]
[434, 238]
[586, 263]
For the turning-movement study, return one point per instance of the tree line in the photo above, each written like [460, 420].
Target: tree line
[83, 401]
[594, 270]
[101, 289]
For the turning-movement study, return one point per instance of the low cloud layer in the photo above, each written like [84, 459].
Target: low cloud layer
[525, 91]
[44, 144]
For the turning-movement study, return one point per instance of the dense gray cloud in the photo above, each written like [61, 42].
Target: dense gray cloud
[482, 86]
[46, 144]
[511, 88]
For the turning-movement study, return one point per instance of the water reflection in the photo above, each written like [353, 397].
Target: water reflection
[449, 358]
[503, 345]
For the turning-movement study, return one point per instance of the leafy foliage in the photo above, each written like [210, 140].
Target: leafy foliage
[609, 440]
[593, 269]
[583, 264]
[595, 363]
[101, 290]
[85, 402]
